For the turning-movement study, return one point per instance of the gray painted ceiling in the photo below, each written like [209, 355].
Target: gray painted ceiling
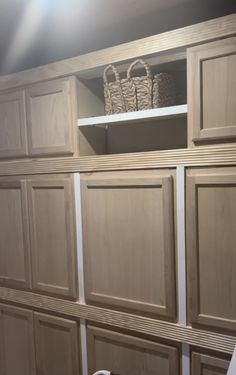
[36, 32]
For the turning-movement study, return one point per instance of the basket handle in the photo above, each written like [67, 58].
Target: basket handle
[114, 71]
[141, 62]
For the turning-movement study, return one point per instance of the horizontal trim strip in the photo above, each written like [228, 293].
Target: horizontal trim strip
[198, 156]
[180, 38]
[129, 322]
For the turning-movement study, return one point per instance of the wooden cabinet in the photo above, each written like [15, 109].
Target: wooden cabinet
[50, 117]
[37, 234]
[123, 354]
[56, 346]
[13, 141]
[17, 354]
[211, 239]
[39, 119]
[212, 91]
[14, 239]
[202, 364]
[128, 233]
[52, 234]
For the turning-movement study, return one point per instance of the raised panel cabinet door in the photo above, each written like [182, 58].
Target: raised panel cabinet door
[57, 351]
[13, 141]
[202, 364]
[50, 119]
[212, 91]
[17, 352]
[14, 238]
[211, 247]
[126, 355]
[52, 234]
[128, 239]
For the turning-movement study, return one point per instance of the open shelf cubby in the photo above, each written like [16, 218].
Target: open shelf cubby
[150, 130]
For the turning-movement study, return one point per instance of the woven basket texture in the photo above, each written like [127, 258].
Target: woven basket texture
[138, 93]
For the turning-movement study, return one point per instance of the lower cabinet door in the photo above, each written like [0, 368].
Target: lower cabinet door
[52, 234]
[14, 239]
[17, 355]
[202, 364]
[126, 355]
[129, 241]
[211, 245]
[57, 350]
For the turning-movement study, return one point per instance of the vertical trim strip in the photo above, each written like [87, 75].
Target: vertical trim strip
[181, 261]
[181, 264]
[83, 333]
[185, 359]
[232, 365]
[79, 236]
[84, 354]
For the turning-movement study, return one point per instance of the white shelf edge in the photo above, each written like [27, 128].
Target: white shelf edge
[128, 117]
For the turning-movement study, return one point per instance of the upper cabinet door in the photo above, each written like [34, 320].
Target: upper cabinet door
[211, 246]
[57, 351]
[50, 118]
[203, 364]
[13, 141]
[212, 92]
[17, 354]
[52, 232]
[14, 241]
[128, 233]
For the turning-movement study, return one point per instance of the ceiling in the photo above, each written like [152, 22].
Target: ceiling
[37, 32]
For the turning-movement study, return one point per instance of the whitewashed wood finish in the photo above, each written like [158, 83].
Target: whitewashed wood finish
[138, 116]
[17, 347]
[129, 241]
[52, 234]
[160, 60]
[210, 233]
[13, 139]
[211, 92]
[208, 364]
[56, 342]
[198, 156]
[14, 237]
[124, 354]
[50, 122]
[131, 323]
[187, 36]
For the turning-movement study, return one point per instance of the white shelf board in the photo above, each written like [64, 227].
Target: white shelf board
[138, 116]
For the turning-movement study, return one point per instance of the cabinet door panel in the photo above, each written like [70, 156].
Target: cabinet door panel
[203, 364]
[211, 210]
[52, 234]
[56, 345]
[12, 125]
[212, 91]
[14, 240]
[123, 354]
[128, 234]
[49, 118]
[17, 355]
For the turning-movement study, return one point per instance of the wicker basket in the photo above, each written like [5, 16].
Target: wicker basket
[164, 90]
[137, 91]
[114, 100]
